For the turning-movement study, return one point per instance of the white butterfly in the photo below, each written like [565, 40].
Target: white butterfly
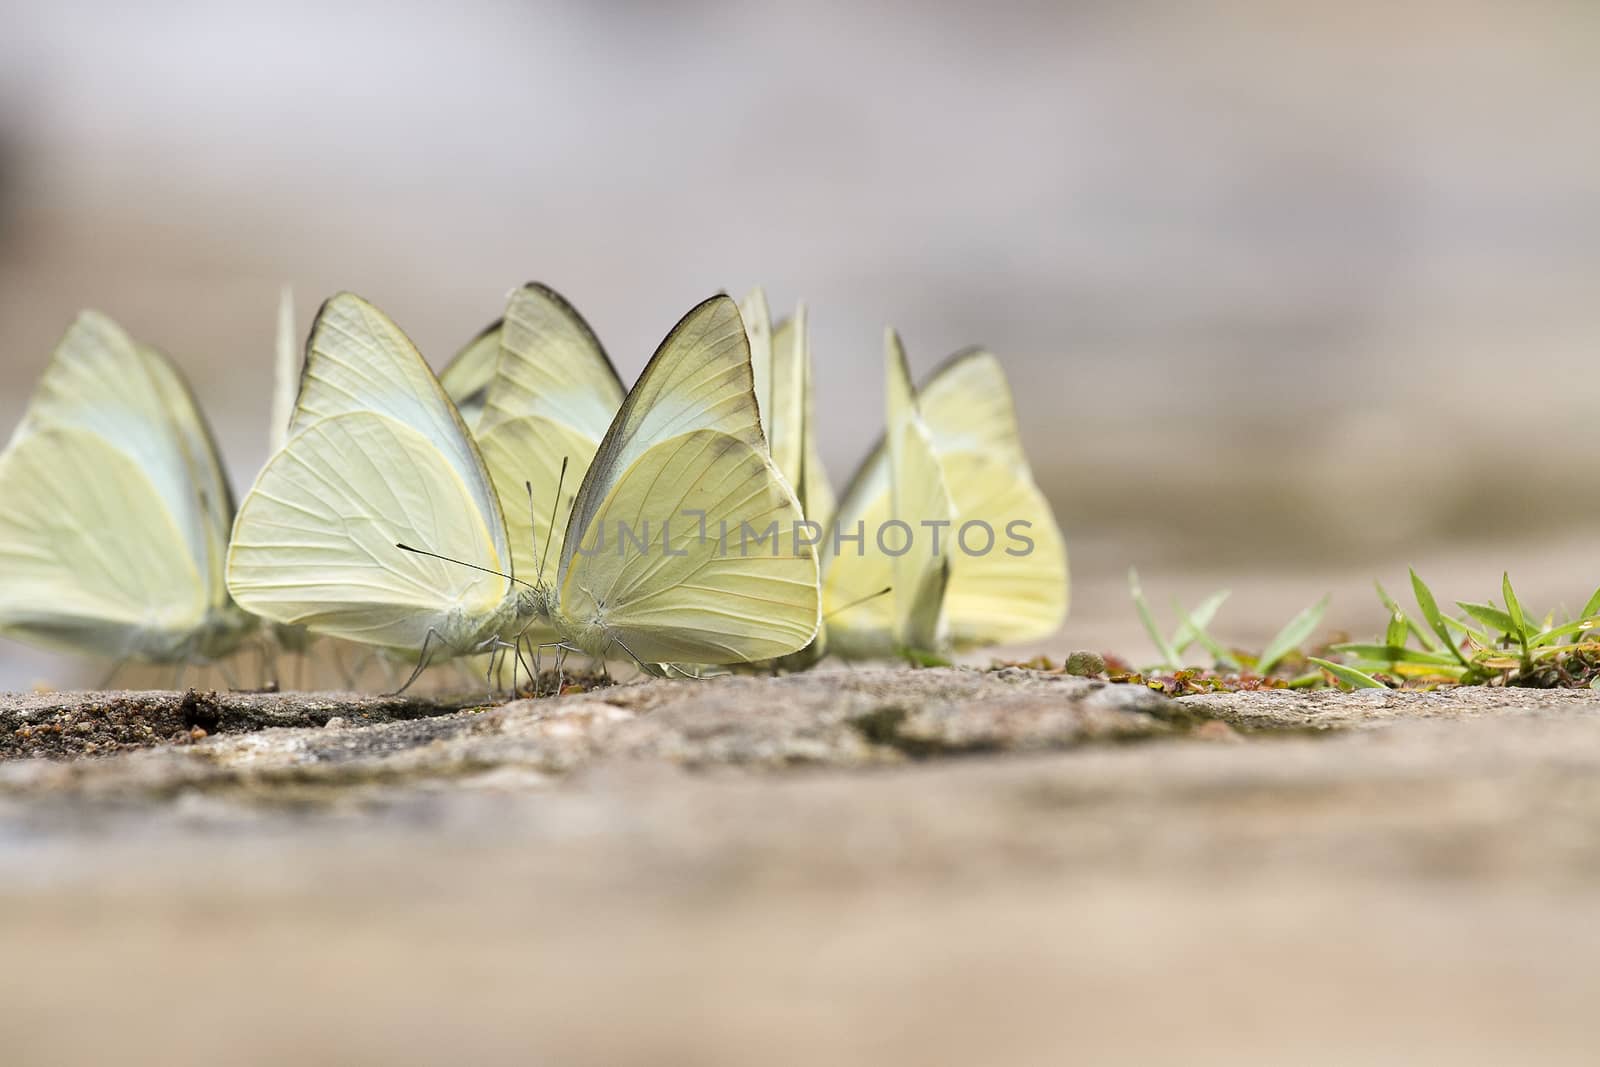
[780, 357]
[376, 454]
[117, 509]
[952, 468]
[684, 464]
[379, 456]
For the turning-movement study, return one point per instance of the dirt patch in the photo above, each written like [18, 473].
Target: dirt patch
[76, 724]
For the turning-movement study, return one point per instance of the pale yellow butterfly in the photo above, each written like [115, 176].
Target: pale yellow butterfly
[680, 547]
[376, 455]
[117, 509]
[1006, 559]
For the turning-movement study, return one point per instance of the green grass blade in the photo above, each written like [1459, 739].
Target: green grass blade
[1169, 658]
[1430, 611]
[1423, 637]
[1395, 654]
[1490, 616]
[1398, 630]
[1348, 675]
[1592, 608]
[1577, 626]
[1514, 608]
[1194, 622]
[1192, 625]
[1292, 636]
[1479, 637]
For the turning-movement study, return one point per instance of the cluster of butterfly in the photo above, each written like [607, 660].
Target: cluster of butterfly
[442, 516]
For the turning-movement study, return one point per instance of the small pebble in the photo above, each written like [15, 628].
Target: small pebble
[1085, 664]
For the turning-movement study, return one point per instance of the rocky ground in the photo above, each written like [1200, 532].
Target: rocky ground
[855, 867]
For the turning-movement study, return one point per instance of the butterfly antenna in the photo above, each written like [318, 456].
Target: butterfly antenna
[533, 525]
[463, 563]
[857, 603]
[555, 506]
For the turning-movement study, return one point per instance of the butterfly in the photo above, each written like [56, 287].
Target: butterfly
[684, 466]
[379, 463]
[375, 453]
[780, 358]
[117, 510]
[945, 513]
[551, 401]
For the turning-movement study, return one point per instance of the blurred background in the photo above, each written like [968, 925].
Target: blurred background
[1292, 294]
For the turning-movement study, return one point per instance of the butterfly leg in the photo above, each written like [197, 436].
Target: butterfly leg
[533, 679]
[424, 658]
[654, 670]
[536, 671]
[489, 674]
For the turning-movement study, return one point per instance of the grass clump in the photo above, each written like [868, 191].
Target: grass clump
[1486, 643]
[1281, 664]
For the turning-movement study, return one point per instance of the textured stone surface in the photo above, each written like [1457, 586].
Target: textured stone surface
[844, 718]
[871, 867]
[1328, 709]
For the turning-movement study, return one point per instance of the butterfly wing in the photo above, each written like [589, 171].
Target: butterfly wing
[697, 563]
[967, 406]
[860, 618]
[211, 493]
[698, 379]
[687, 442]
[1017, 590]
[785, 412]
[467, 376]
[757, 318]
[552, 365]
[135, 400]
[358, 360]
[315, 544]
[920, 500]
[794, 421]
[378, 456]
[285, 372]
[552, 399]
[93, 559]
